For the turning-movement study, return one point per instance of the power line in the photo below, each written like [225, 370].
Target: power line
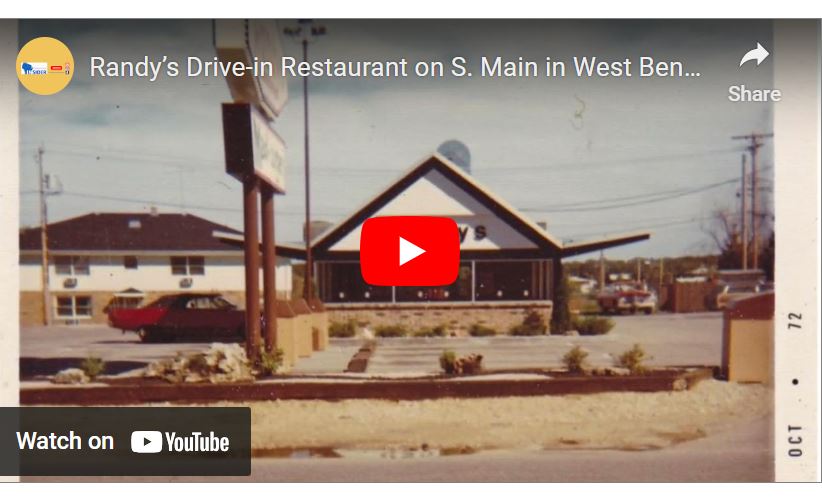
[193, 163]
[131, 200]
[611, 162]
[666, 225]
[597, 205]
[622, 199]
[654, 199]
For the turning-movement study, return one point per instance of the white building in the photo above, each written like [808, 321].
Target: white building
[128, 259]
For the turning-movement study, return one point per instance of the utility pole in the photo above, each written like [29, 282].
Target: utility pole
[661, 272]
[44, 241]
[601, 270]
[743, 214]
[755, 142]
[306, 31]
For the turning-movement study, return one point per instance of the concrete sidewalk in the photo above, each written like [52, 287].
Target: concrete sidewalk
[692, 339]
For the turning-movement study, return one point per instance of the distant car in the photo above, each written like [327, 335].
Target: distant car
[630, 297]
[190, 315]
[724, 293]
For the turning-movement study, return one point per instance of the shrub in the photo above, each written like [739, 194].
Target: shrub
[448, 360]
[450, 364]
[632, 359]
[437, 331]
[522, 330]
[471, 364]
[589, 307]
[342, 329]
[574, 359]
[93, 366]
[479, 330]
[560, 312]
[270, 362]
[532, 324]
[594, 325]
[394, 330]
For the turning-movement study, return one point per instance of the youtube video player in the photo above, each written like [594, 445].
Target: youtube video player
[351, 247]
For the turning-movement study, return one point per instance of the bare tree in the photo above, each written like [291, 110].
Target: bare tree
[727, 235]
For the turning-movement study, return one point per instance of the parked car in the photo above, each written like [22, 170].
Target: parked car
[191, 315]
[724, 292]
[628, 297]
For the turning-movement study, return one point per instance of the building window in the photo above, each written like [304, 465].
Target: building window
[130, 262]
[460, 290]
[343, 283]
[74, 306]
[123, 302]
[508, 280]
[196, 265]
[71, 265]
[187, 265]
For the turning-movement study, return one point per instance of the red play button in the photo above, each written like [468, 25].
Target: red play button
[410, 250]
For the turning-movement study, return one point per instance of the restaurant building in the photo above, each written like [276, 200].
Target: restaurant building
[510, 265]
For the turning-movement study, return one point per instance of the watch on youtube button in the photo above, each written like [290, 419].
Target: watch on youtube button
[410, 251]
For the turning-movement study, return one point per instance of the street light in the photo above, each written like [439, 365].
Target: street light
[306, 31]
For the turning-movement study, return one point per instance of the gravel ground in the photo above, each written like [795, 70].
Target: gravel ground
[596, 421]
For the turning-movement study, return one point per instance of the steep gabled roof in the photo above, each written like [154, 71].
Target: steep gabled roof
[466, 182]
[546, 246]
[130, 232]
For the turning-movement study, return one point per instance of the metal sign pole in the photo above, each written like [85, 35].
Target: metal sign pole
[255, 155]
[269, 269]
[251, 191]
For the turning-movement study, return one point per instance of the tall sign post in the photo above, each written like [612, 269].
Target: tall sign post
[255, 155]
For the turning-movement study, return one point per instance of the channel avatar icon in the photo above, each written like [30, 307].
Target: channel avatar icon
[410, 251]
[44, 65]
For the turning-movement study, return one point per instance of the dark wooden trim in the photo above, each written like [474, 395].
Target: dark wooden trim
[469, 255]
[365, 212]
[397, 188]
[583, 248]
[498, 209]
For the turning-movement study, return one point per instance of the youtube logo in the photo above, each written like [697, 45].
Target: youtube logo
[410, 251]
[146, 442]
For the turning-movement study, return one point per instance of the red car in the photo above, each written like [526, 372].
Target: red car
[196, 316]
[628, 297]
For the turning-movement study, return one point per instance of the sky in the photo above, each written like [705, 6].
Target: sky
[590, 158]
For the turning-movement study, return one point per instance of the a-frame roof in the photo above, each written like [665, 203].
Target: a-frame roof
[496, 205]
[541, 243]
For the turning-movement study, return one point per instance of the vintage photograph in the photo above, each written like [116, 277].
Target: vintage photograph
[418, 250]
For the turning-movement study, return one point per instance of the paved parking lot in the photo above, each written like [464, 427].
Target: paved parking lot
[47, 350]
[686, 339]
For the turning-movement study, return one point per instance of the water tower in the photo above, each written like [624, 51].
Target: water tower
[456, 152]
